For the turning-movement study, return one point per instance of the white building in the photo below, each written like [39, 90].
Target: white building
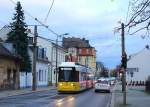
[139, 65]
[41, 69]
[50, 48]
[47, 44]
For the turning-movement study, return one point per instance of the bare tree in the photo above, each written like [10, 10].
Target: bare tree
[139, 17]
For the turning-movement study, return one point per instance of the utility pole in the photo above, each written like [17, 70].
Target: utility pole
[34, 81]
[124, 64]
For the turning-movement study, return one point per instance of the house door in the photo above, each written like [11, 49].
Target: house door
[14, 78]
[1, 78]
[9, 78]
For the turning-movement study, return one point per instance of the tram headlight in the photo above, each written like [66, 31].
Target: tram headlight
[60, 84]
[72, 84]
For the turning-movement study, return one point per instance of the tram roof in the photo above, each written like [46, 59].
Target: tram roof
[70, 64]
[76, 65]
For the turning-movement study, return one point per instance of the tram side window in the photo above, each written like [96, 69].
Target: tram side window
[83, 76]
[88, 78]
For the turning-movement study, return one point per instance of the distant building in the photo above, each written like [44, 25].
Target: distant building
[138, 65]
[79, 50]
[99, 68]
[9, 67]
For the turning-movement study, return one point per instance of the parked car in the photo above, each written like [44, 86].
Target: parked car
[112, 82]
[102, 85]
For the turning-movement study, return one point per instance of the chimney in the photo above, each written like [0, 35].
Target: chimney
[83, 39]
[29, 30]
[87, 41]
[147, 47]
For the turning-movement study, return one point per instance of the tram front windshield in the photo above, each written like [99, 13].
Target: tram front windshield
[68, 75]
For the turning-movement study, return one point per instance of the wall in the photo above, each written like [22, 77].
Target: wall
[141, 61]
[42, 74]
[25, 79]
[6, 64]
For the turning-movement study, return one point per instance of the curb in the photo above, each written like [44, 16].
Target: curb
[111, 102]
[26, 93]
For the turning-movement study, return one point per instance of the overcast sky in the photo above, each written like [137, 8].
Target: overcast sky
[92, 19]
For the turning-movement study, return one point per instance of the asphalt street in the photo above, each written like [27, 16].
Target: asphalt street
[53, 99]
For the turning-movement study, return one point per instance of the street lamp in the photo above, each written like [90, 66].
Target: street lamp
[56, 70]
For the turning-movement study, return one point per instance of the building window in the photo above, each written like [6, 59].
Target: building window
[42, 75]
[45, 75]
[37, 75]
[41, 53]
[80, 59]
[30, 40]
[8, 74]
[80, 51]
[40, 72]
[87, 60]
[87, 51]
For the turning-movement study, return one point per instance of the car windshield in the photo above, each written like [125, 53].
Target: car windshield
[102, 82]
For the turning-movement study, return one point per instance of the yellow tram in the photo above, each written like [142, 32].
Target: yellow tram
[73, 77]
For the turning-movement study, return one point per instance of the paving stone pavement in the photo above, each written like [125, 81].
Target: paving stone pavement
[136, 97]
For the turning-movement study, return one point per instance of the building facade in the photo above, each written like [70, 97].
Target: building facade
[60, 58]
[42, 64]
[87, 56]
[80, 51]
[9, 68]
[50, 49]
[138, 65]
[41, 69]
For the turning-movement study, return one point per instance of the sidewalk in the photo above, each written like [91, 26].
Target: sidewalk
[7, 93]
[136, 97]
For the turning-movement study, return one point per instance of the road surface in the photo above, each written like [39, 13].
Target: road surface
[53, 99]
